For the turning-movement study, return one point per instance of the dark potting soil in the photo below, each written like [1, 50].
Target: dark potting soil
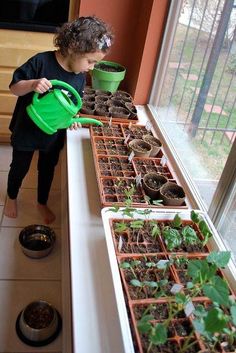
[109, 68]
[153, 183]
[173, 194]
[140, 147]
[153, 141]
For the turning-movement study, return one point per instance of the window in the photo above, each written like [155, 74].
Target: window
[193, 100]
[33, 15]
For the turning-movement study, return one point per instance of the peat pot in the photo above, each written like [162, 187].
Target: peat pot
[154, 142]
[172, 194]
[152, 182]
[140, 148]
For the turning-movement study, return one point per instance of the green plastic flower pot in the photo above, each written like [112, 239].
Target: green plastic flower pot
[107, 80]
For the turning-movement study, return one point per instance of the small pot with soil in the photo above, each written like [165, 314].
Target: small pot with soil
[140, 148]
[152, 182]
[125, 96]
[101, 110]
[132, 109]
[172, 194]
[89, 90]
[101, 99]
[113, 102]
[154, 142]
[87, 108]
[100, 92]
[119, 112]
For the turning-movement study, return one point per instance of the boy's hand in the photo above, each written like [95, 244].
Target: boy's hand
[41, 85]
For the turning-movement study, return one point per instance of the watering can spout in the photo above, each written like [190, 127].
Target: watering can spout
[55, 110]
[85, 121]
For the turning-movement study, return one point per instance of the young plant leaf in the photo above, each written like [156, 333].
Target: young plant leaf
[219, 258]
[159, 334]
[217, 291]
[215, 321]
[138, 224]
[120, 227]
[177, 221]
[172, 238]
[195, 217]
[189, 235]
[144, 325]
[136, 283]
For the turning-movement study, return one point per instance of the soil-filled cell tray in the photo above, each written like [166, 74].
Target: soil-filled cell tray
[109, 146]
[135, 131]
[113, 190]
[152, 165]
[185, 265]
[146, 276]
[117, 191]
[126, 131]
[153, 236]
[109, 141]
[107, 130]
[115, 166]
[178, 332]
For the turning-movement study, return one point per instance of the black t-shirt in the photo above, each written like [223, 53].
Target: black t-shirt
[26, 136]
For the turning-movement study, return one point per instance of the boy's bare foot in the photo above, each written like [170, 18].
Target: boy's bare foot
[10, 209]
[47, 215]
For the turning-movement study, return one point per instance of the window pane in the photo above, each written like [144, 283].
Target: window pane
[227, 224]
[197, 105]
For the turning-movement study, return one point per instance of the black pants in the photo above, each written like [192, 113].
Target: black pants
[19, 167]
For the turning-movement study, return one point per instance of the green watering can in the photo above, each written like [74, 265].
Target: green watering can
[55, 110]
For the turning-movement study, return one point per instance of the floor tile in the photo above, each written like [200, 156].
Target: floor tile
[6, 155]
[14, 264]
[15, 295]
[28, 212]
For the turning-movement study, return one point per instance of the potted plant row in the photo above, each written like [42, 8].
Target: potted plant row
[170, 281]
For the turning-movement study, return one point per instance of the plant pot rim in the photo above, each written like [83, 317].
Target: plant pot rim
[109, 63]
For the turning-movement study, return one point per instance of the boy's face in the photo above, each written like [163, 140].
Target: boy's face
[83, 62]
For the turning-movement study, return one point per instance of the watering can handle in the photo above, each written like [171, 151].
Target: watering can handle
[65, 85]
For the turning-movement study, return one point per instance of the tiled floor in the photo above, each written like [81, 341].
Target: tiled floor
[23, 279]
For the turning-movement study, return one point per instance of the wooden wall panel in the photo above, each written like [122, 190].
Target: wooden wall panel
[15, 48]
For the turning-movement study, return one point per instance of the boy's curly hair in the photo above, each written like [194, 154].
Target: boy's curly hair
[84, 35]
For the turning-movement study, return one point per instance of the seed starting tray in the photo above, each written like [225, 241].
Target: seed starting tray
[116, 171]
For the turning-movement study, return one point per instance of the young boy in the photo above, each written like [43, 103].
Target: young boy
[80, 45]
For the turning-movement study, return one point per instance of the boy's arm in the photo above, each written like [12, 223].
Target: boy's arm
[23, 87]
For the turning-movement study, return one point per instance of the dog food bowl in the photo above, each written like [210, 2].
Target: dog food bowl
[37, 240]
[38, 323]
